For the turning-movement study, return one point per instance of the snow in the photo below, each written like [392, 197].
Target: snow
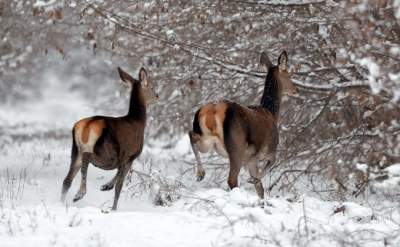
[323, 31]
[47, 5]
[396, 4]
[39, 3]
[212, 217]
[392, 182]
[373, 73]
[396, 79]
[394, 170]
[353, 210]
[33, 165]
[61, 226]
[362, 167]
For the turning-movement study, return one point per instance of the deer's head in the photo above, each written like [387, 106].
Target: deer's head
[147, 86]
[281, 72]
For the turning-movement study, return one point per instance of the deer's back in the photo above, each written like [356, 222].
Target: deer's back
[251, 127]
[126, 134]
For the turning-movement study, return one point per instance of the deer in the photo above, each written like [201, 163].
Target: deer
[111, 142]
[246, 135]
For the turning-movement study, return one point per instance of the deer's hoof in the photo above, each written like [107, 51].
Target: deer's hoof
[107, 186]
[106, 210]
[200, 175]
[79, 196]
[253, 180]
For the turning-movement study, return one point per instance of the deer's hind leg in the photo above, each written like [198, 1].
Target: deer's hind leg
[235, 164]
[84, 167]
[110, 184]
[195, 140]
[234, 140]
[236, 156]
[76, 163]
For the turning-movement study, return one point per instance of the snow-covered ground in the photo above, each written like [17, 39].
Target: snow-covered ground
[34, 158]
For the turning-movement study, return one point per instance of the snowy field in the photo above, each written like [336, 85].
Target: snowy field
[34, 158]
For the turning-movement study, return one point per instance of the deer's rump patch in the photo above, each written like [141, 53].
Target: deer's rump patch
[211, 118]
[88, 131]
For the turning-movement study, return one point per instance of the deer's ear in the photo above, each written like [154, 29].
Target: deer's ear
[282, 61]
[125, 76]
[143, 77]
[264, 61]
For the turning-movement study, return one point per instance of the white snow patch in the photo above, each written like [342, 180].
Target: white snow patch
[323, 31]
[373, 73]
[40, 3]
[396, 4]
[354, 210]
[392, 183]
[393, 170]
[362, 167]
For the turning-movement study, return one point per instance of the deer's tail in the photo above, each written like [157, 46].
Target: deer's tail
[74, 150]
[196, 123]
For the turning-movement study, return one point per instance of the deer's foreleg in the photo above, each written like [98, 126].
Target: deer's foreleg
[260, 173]
[268, 165]
[256, 178]
[120, 177]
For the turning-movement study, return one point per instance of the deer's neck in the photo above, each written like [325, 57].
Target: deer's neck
[271, 99]
[137, 103]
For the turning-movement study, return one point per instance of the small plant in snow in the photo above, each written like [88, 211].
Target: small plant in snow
[164, 191]
[76, 220]
[12, 185]
[96, 240]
